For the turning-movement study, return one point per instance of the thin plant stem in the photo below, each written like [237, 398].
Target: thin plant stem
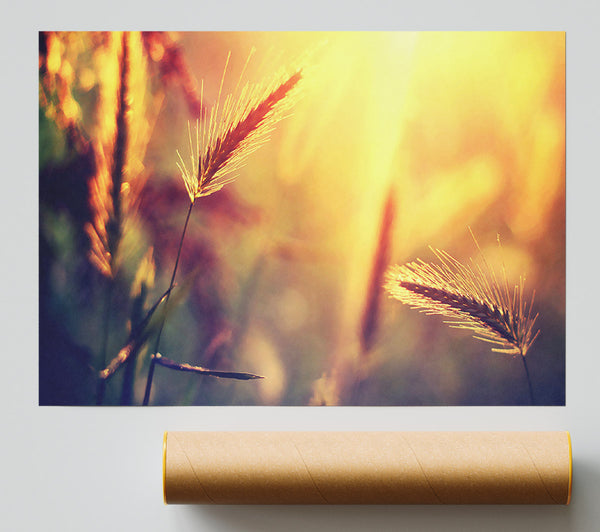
[130, 365]
[128, 377]
[114, 226]
[528, 380]
[104, 347]
[157, 344]
[106, 322]
[100, 390]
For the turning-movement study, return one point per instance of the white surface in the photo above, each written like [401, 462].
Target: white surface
[93, 469]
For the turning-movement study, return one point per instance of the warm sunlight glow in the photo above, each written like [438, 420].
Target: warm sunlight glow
[314, 161]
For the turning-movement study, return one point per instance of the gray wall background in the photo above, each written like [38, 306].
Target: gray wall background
[100, 469]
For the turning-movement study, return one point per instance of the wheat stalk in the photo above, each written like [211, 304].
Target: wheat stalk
[381, 256]
[472, 296]
[119, 150]
[221, 146]
[122, 137]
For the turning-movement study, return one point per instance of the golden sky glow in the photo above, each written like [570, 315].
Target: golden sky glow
[452, 129]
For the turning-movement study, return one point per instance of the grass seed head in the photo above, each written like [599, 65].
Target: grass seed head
[220, 144]
[471, 296]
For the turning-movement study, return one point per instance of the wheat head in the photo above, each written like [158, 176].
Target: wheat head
[222, 142]
[119, 147]
[472, 296]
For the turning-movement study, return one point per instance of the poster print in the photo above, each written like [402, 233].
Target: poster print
[294, 218]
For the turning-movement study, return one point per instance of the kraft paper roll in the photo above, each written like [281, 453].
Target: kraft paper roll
[367, 467]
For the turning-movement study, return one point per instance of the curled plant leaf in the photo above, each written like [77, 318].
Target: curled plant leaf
[168, 363]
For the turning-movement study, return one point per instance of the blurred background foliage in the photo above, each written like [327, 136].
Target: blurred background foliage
[399, 141]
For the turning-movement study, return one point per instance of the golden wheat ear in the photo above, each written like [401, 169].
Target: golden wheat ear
[471, 296]
[222, 142]
[119, 146]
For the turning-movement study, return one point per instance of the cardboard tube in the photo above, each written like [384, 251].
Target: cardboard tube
[367, 467]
